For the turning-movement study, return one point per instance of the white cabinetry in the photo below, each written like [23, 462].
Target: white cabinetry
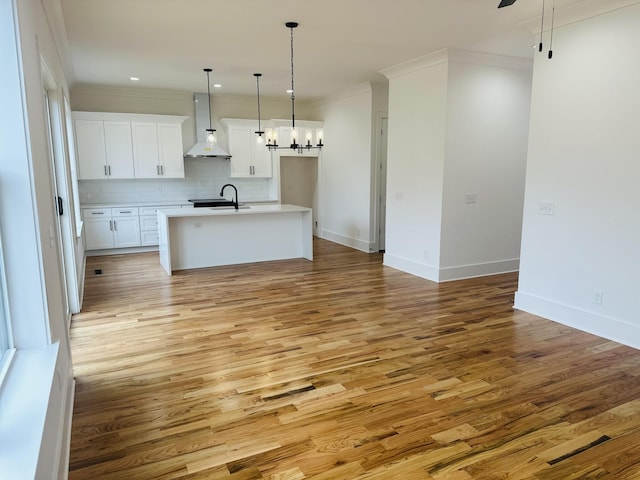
[248, 157]
[111, 228]
[149, 224]
[103, 149]
[157, 150]
[127, 145]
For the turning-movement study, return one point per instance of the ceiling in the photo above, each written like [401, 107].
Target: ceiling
[339, 43]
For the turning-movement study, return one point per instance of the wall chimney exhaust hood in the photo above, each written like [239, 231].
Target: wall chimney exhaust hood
[201, 149]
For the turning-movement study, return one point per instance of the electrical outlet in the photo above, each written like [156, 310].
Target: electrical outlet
[546, 208]
[597, 296]
[197, 225]
[470, 198]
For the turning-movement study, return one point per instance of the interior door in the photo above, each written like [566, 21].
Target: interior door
[59, 203]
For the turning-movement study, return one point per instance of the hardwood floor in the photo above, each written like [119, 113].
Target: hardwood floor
[339, 369]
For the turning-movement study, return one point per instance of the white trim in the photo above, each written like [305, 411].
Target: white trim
[361, 245]
[65, 446]
[421, 270]
[577, 12]
[489, 59]
[127, 117]
[24, 404]
[587, 321]
[421, 63]
[461, 272]
[119, 251]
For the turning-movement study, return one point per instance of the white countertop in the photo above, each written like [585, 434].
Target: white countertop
[159, 203]
[225, 211]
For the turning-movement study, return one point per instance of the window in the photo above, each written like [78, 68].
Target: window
[6, 350]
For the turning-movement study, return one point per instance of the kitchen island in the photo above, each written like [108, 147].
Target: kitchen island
[207, 237]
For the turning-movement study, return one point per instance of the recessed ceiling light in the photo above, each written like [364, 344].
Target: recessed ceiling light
[134, 79]
[217, 85]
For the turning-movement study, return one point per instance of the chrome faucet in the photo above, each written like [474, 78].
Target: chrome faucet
[235, 202]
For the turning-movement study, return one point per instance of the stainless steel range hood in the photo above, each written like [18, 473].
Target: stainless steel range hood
[201, 149]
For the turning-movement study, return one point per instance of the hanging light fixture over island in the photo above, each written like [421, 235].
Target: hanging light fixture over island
[272, 140]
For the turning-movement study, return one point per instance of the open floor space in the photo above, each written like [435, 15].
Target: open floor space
[340, 368]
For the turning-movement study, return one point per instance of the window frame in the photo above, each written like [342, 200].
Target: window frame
[7, 348]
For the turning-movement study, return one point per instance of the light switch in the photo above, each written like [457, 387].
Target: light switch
[470, 198]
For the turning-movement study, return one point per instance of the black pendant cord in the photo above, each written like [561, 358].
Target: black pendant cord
[553, 20]
[208, 70]
[541, 28]
[291, 26]
[258, 75]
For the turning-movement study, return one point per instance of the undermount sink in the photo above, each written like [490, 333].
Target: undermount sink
[211, 202]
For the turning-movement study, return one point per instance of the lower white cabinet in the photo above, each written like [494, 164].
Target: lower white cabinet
[149, 224]
[111, 228]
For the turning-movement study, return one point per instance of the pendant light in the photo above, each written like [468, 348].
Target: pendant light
[211, 132]
[259, 132]
[553, 21]
[272, 143]
[507, 3]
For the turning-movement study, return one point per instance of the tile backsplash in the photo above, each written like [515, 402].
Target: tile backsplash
[203, 179]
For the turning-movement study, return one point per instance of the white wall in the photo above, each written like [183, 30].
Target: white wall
[486, 150]
[346, 168]
[415, 165]
[458, 124]
[36, 301]
[584, 156]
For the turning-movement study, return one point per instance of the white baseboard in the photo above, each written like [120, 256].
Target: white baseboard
[409, 266]
[65, 454]
[81, 281]
[120, 251]
[587, 321]
[479, 270]
[449, 274]
[361, 245]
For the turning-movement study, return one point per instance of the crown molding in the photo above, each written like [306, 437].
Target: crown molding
[576, 12]
[421, 63]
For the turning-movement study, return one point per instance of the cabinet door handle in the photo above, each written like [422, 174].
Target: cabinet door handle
[157, 169]
[161, 169]
[109, 168]
[105, 171]
[125, 211]
[111, 225]
[115, 226]
[97, 213]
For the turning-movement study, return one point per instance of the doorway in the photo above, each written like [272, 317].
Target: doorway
[299, 183]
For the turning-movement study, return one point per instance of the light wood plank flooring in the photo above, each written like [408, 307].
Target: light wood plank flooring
[339, 369]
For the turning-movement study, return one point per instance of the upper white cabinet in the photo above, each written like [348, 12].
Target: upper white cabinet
[122, 145]
[249, 158]
[117, 139]
[157, 150]
[103, 149]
